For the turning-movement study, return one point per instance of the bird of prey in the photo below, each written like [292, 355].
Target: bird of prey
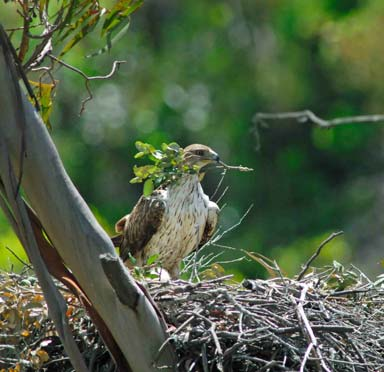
[174, 220]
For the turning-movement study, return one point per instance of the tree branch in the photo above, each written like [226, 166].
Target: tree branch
[115, 67]
[117, 275]
[309, 116]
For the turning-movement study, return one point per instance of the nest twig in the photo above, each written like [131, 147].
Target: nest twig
[279, 324]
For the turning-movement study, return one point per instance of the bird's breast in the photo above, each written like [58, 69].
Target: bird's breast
[183, 223]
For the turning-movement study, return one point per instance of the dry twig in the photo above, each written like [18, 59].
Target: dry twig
[87, 79]
[316, 254]
[217, 326]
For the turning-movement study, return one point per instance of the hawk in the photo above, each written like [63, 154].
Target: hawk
[174, 220]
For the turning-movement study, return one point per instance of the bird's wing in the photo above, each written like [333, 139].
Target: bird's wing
[211, 223]
[119, 228]
[140, 225]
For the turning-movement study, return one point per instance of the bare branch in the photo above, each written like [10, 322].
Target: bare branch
[308, 332]
[316, 254]
[115, 67]
[309, 116]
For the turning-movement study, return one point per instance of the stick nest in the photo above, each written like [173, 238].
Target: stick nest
[278, 324]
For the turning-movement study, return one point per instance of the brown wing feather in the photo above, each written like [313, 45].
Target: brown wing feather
[141, 225]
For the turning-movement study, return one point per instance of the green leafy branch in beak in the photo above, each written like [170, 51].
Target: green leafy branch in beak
[167, 165]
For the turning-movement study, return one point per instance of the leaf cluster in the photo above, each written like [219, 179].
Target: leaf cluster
[167, 167]
[54, 28]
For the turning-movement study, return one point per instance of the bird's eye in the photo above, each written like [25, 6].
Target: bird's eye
[199, 152]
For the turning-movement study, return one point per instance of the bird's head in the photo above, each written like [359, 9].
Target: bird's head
[198, 156]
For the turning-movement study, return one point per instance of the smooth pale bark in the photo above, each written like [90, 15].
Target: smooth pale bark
[75, 232]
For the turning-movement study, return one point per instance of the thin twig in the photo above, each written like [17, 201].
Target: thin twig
[219, 184]
[115, 67]
[220, 235]
[237, 167]
[219, 350]
[316, 254]
[308, 330]
[306, 356]
[19, 259]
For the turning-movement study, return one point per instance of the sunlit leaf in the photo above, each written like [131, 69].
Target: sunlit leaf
[147, 148]
[45, 94]
[145, 171]
[214, 271]
[25, 333]
[152, 259]
[263, 261]
[84, 31]
[139, 155]
[148, 187]
[43, 355]
[111, 41]
[119, 13]
[136, 180]
[131, 258]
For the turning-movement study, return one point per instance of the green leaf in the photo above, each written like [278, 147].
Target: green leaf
[152, 259]
[148, 187]
[174, 146]
[147, 148]
[145, 171]
[164, 146]
[119, 13]
[136, 180]
[84, 31]
[157, 155]
[45, 94]
[132, 259]
[111, 41]
[82, 11]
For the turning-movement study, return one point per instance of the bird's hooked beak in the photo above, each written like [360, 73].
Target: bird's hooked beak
[212, 156]
[199, 156]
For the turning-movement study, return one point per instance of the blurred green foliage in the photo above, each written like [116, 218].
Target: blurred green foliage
[197, 71]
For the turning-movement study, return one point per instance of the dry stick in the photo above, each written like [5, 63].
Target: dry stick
[307, 115]
[219, 184]
[237, 167]
[212, 330]
[308, 330]
[219, 236]
[115, 67]
[222, 195]
[170, 338]
[316, 254]
[26, 264]
[306, 356]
